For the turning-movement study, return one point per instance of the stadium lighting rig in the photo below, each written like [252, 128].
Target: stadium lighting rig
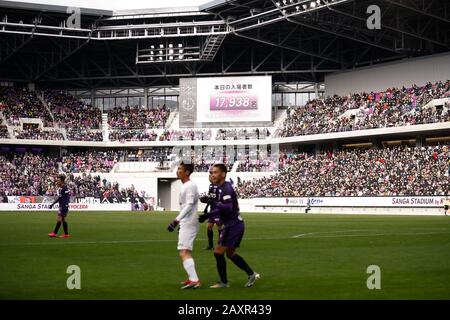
[167, 52]
[282, 10]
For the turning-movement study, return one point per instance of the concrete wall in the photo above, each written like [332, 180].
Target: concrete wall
[395, 74]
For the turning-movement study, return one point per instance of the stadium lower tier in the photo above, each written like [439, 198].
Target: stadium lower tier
[390, 171]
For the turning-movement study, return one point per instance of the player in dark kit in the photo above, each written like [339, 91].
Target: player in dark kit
[63, 201]
[212, 220]
[227, 208]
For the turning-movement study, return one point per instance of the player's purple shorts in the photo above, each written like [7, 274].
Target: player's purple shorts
[231, 236]
[63, 211]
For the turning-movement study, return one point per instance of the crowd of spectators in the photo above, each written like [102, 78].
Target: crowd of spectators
[30, 174]
[188, 134]
[89, 161]
[138, 117]
[242, 134]
[132, 135]
[84, 135]
[37, 134]
[18, 103]
[71, 113]
[392, 171]
[391, 108]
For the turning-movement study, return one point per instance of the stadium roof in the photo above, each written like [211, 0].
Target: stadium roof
[292, 40]
[50, 8]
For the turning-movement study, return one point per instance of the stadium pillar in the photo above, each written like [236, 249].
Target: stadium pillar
[93, 98]
[31, 86]
[335, 146]
[376, 143]
[317, 148]
[316, 90]
[146, 97]
[420, 141]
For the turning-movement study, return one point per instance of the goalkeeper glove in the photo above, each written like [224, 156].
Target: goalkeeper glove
[173, 225]
[206, 199]
[203, 217]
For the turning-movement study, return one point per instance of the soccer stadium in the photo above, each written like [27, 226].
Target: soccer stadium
[323, 127]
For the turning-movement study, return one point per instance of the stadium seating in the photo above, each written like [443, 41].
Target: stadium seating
[32, 174]
[391, 108]
[372, 172]
[22, 103]
[242, 134]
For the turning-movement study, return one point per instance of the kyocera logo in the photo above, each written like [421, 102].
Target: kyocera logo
[316, 201]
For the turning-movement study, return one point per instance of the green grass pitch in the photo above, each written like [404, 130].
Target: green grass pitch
[130, 255]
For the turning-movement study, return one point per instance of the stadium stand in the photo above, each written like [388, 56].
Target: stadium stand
[237, 134]
[391, 108]
[31, 174]
[373, 172]
[22, 103]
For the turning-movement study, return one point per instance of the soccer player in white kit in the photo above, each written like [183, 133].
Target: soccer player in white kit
[189, 224]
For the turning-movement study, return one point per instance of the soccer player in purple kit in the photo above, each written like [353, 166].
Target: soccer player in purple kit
[63, 200]
[227, 208]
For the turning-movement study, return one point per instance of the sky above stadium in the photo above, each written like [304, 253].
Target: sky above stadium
[121, 4]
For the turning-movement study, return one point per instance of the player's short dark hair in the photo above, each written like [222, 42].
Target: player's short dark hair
[221, 167]
[62, 177]
[188, 167]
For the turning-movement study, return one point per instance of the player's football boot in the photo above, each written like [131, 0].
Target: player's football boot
[65, 236]
[251, 279]
[52, 235]
[191, 285]
[219, 285]
[185, 282]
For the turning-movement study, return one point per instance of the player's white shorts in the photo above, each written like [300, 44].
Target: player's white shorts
[187, 235]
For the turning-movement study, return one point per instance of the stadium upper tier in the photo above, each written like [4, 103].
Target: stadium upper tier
[393, 107]
[57, 116]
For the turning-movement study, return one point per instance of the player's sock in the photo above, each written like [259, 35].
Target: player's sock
[240, 262]
[189, 266]
[65, 227]
[58, 225]
[210, 238]
[221, 267]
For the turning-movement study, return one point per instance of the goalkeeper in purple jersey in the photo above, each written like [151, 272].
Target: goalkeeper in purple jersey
[227, 208]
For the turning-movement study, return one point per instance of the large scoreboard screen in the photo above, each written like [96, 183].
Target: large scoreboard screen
[234, 99]
[225, 100]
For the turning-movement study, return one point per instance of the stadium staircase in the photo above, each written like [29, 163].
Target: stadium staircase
[211, 47]
[10, 130]
[172, 121]
[40, 96]
[280, 117]
[105, 126]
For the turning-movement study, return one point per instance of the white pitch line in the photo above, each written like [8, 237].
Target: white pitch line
[309, 235]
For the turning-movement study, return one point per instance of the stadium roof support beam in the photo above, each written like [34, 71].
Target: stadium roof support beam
[309, 53]
[68, 53]
[417, 10]
[264, 18]
[342, 35]
[363, 19]
[15, 48]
